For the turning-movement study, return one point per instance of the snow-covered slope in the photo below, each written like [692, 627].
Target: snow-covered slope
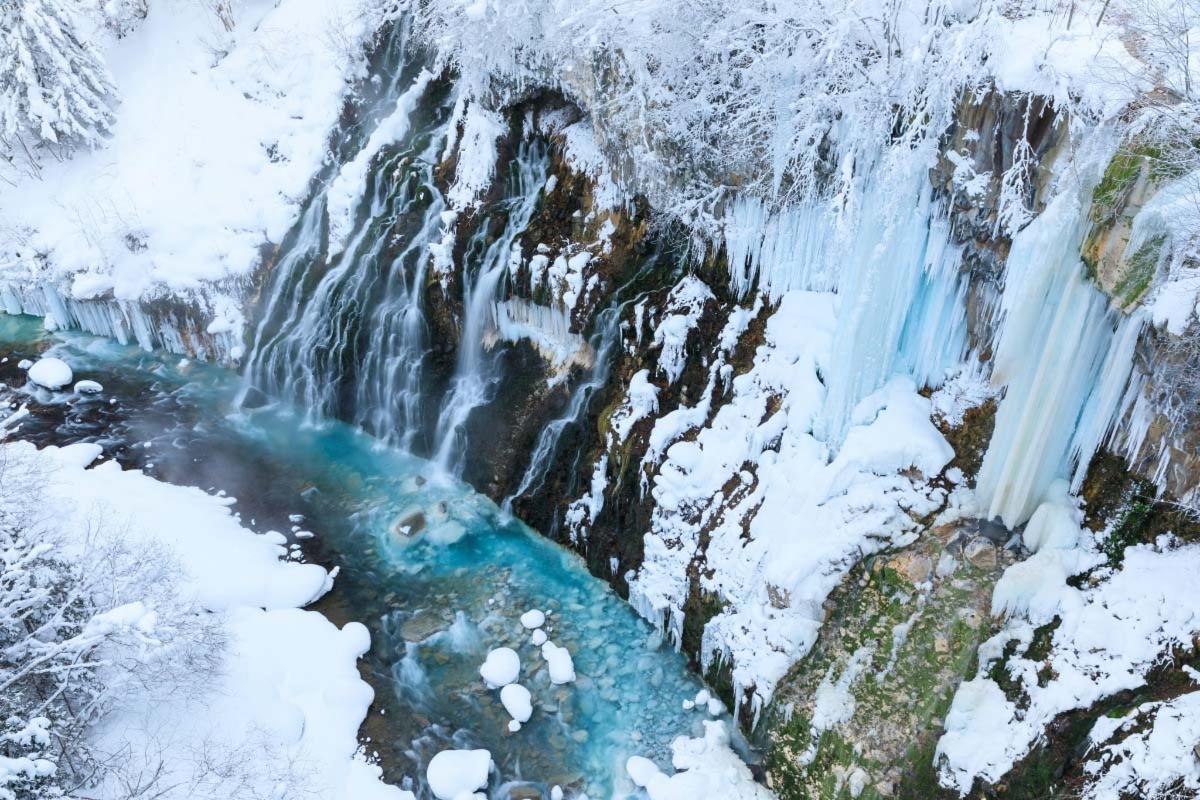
[281, 709]
[218, 135]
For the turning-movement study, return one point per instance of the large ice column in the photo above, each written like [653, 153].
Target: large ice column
[899, 300]
[1060, 361]
[934, 339]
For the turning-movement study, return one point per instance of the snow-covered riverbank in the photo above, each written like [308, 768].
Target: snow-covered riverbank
[278, 701]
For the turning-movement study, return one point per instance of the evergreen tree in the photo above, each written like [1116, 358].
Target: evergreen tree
[54, 87]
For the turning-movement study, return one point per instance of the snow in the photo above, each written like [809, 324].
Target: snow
[457, 774]
[683, 308]
[88, 387]
[583, 154]
[347, 187]
[481, 128]
[1157, 762]
[533, 619]
[1110, 635]
[227, 566]
[564, 279]
[50, 372]
[501, 667]
[538, 638]
[288, 688]
[705, 767]
[558, 660]
[216, 139]
[810, 514]
[640, 402]
[641, 770]
[517, 702]
[962, 391]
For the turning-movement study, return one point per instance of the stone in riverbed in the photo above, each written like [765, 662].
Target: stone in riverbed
[981, 553]
[421, 626]
[409, 525]
[502, 667]
[50, 372]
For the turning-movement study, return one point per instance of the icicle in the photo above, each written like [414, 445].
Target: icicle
[902, 302]
[897, 277]
[124, 321]
[1111, 397]
[547, 328]
[784, 251]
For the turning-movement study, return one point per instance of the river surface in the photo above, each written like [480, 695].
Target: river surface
[435, 598]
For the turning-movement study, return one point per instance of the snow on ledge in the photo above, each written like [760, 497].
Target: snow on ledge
[1110, 635]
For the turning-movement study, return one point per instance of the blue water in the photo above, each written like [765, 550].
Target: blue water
[435, 600]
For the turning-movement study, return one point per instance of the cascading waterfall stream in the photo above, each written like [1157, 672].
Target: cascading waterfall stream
[605, 337]
[342, 332]
[476, 373]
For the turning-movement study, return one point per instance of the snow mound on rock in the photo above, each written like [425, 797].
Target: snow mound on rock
[52, 373]
[501, 667]
[454, 774]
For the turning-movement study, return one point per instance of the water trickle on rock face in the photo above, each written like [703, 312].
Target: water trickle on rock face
[485, 266]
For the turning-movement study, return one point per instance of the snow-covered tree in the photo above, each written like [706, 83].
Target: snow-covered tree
[55, 90]
[122, 16]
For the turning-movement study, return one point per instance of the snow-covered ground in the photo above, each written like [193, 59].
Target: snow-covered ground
[277, 715]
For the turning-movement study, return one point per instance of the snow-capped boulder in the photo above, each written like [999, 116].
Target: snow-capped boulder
[517, 702]
[558, 659]
[52, 373]
[501, 667]
[454, 774]
[533, 619]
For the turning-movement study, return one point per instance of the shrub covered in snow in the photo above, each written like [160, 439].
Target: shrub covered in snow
[84, 622]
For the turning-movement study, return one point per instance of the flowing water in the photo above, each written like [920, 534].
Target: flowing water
[437, 572]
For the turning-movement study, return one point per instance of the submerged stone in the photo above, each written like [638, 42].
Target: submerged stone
[409, 525]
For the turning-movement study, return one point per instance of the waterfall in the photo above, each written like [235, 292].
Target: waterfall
[341, 329]
[486, 265]
[1064, 359]
[346, 336]
[608, 325]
